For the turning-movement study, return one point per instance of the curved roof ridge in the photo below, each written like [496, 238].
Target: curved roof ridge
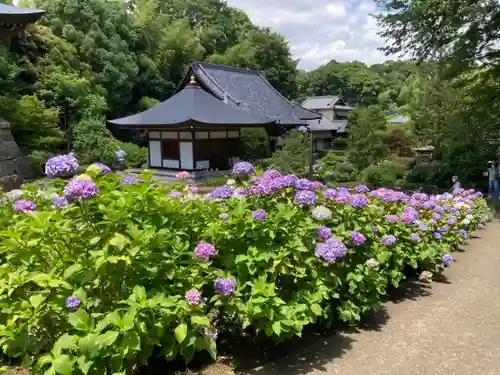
[217, 85]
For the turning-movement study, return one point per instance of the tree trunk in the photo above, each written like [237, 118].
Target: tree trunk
[14, 166]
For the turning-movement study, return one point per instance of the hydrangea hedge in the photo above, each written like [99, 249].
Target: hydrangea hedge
[98, 271]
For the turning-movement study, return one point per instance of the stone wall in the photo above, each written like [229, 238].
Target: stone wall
[14, 166]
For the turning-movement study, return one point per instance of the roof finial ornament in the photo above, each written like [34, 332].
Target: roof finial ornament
[193, 80]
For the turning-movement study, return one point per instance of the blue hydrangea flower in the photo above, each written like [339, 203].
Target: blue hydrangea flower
[72, 303]
[259, 215]
[357, 238]
[62, 166]
[128, 180]
[85, 189]
[447, 260]
[388, 240]
[243, 168]
[331, 251]
[305, 198]
[324, 233]
[22, 205]
[225, 286]
[225, 191]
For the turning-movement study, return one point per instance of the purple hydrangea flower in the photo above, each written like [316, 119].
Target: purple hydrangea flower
[60, 202]
[303, 184]
[358, 200]
[423, 228]
[362, 189]
[174, 194]
[452, 220]
[193, 297]
[225, 286]
[437, 235]
[22, 205]
[104, 168]
[375, 229]
[316, 185]
[243, 168]
[443, 229]
[305, 198]
[61, 166]
[128, 180]
[331, 251]
[324, 233]
[392, 218]
[357, 238]
[447, 260]
[463, 233]
[259, 215]
[330, 193]
[271, 174]
[205, 250]
[388, 240]
[85, 189]
[225, 191]
[72, 303]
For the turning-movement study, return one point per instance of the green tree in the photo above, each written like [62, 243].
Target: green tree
[366, 128]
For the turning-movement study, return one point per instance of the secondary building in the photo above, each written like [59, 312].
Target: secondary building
[333, 122]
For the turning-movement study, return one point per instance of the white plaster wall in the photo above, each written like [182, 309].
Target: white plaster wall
[155, 154]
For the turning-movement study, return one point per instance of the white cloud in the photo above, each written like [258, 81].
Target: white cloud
[321, 30]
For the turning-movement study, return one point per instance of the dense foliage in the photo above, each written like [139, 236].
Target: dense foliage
[456, 110]
[100, 270]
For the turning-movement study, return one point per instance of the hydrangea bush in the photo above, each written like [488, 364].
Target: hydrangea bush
[99, 270]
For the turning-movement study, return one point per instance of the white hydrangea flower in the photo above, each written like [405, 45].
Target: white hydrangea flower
[322, 213]
[371, 263]
[466, 221]
[230, 182]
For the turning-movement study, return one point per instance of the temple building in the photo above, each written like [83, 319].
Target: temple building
[198, 128]
[14, 19]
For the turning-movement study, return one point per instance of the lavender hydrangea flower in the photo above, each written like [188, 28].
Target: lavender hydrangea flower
[331, 251]
[80, 189]
[463, 233]
[423, 228]
[447, 260]
[305, 198]
[22, 205]
[324, 233]
[437, 235]
[60, 202]
[392, 218]
[271, 174]
[72, 303]
[303, 184]
[358, 201]
[205, 250]
[321, 213]
[375, 229]
[362, 189]
[243, 168]
[388, 240]
[104, 168]
[61, 166]
[259, 215]
[193, 297]
[225, 191]
[357, 238]
[330, 193]
[128, 180]
[225, 286]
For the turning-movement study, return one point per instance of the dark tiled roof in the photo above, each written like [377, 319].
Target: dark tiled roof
[324, 124]
[192, 104]
[250, 91]
[13, 15]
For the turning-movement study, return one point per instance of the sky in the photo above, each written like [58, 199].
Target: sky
[321, 30]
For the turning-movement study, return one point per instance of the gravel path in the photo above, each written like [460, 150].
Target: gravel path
[451, 327]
